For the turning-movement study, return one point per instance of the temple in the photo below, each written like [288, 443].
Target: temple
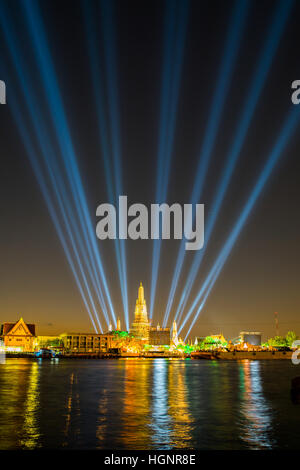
[141, 325]
[174, 334]
[18, 336]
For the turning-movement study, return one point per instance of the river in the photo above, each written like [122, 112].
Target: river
[147, 404]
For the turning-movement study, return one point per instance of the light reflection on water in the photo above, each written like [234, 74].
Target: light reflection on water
[135, 429]
[160, 416]
[147, 404]
[30, 431]
[181, 418]
[256, 422]
[19, 398]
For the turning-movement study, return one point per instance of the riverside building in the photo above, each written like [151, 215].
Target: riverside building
[18, 336]
[74, 343]
[159, 336]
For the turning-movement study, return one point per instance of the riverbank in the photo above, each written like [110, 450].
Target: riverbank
[240, 355]
[201, 355]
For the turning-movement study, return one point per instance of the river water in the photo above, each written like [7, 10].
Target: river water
[147, 404]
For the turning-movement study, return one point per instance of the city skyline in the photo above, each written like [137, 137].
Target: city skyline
[160, 65]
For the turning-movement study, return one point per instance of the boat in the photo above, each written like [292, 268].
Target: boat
[45, 353]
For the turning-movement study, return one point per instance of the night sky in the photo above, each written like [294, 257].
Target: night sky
[261, 274]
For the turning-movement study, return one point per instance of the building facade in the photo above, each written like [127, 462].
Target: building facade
[252, 338]
[140, 327]
[49, 341]
[18, 336]
[86, 343]
[159, 336]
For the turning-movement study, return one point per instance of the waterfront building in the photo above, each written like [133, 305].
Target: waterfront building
[216, 338]
[159, 336]
[141, 325]
[252, 338]
[199, 340]
[48, 341]
[18, 336]
[86, 342]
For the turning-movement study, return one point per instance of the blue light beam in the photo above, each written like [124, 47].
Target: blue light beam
[60, 124]
[176, 25]
[232, 44]
[266, 57]
[42, 184]
[47, 151]
[286, 133]
[114, 186]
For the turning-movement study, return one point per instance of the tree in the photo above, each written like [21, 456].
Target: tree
[188, 349]
[211, 343]
[209, 340]
[290, 338]
[283, 341]
[277, 341]
[51, 343]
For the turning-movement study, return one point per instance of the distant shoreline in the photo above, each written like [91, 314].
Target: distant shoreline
[253, 355]
[204, 355]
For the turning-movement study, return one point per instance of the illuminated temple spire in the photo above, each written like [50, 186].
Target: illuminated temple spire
[141, 296]
[174, 333]
[141, 325]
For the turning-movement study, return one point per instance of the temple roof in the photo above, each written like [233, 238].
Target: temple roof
[7, 327]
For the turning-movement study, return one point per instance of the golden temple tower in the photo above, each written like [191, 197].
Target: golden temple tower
[141, 326]
[174, 334]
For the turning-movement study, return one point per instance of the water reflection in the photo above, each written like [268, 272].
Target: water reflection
[30, 430]
[69, 403]
[72, 429]
[20, 401]
[102, 421]
[182, 419]
[156, 409]
[255, 413]
[160, 422]
[135, 432]
[146, 404]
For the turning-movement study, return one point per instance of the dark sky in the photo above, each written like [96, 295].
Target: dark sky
[262, 273]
